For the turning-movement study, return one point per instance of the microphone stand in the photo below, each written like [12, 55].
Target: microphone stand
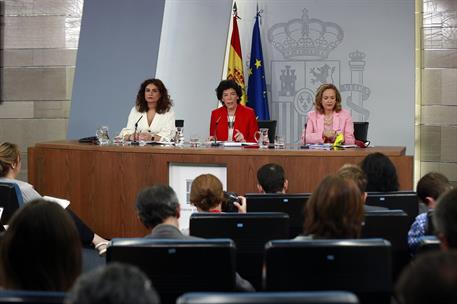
[215, 143]
[135, 142]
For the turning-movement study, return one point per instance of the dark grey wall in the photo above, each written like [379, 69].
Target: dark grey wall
[118, 49]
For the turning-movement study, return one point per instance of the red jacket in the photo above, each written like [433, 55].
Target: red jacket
[245, 122]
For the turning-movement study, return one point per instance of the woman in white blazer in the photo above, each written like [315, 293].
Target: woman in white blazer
[153, 112]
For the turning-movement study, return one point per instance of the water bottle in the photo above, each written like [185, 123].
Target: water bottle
[179, 136]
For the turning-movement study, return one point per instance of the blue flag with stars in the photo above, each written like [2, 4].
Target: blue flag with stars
[257, 88]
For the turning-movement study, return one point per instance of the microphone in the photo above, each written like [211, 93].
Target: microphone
[215, 143]
[135, 142]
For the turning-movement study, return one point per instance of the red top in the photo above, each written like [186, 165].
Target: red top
[245, 122]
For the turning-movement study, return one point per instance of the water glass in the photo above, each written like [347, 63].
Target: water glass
[102, 135]
[279, 142]
[261, 137]
[194, 141]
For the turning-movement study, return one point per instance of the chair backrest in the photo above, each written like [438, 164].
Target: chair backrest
[428, 243]
[271, 125]
[297, 297]
[35, 297]
[391, 225]
[292, 204]
[404, 200]
[362, 266]
[250, 232]
[179, 266]
[10, 200]
[361, 130]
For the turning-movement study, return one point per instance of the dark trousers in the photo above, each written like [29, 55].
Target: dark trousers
[85, 233]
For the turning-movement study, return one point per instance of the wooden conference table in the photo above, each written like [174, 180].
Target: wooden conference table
[102, 182]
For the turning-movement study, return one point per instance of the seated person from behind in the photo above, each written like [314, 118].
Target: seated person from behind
[429, 188]
[232, 121]
[271, 179]
[334, 210]
[10, 166]
[381, 173]
[115, 284]
[445, 220]
[158, 209]
[207, 195]
[153, 112]
[355, 173]
[40, 250]
[328, 119]
[431, 278]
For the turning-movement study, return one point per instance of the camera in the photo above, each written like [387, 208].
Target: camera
[230, 198]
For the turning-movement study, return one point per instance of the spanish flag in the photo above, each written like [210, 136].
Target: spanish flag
[235, 61]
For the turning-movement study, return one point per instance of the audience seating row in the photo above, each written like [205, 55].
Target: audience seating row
[362, 266]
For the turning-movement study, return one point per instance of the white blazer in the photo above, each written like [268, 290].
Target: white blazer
[162, 124]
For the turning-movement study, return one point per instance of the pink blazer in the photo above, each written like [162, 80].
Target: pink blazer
[342, 121]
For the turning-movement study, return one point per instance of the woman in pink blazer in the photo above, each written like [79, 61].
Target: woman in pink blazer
[328, 119]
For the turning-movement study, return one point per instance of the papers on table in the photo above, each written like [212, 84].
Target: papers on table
[320, 146]
[62, 202]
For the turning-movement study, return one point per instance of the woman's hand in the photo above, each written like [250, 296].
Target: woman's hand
[329, 136]
[146, 136]
[239, 136]
[241, 205]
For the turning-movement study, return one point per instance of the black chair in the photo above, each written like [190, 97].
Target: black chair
[250, 232]
[292, 204]
[179, 266]
[391, 225]
[302, 297]
[271, 125]
[31, 297]
[427, 244]
[10, 200]
[361, 130]
[362, 266]
[404, 200]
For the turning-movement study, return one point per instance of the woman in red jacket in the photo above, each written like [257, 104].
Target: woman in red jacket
[233, 121]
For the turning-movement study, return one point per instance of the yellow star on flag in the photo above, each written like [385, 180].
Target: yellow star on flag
[250, 71]
[258, 63]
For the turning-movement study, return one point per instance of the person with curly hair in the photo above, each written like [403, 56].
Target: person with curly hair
[153, 112]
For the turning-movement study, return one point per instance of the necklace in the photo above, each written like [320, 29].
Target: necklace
[231, 121]
[328, 120]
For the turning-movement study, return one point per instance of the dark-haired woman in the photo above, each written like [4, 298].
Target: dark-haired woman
[40, 250]
[154, 113]
[232, 121]
[381, 173]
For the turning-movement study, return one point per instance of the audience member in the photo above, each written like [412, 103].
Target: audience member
[40, 250]
[429, 189]
[381, 173]
[158, 210]
[271, 179]
[431, 278]
[334, 210]
[207, 195]
[356, 174]
[445, 219]
[114, 284]
[10, 166]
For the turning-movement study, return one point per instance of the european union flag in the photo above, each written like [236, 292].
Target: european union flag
[257, 88]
